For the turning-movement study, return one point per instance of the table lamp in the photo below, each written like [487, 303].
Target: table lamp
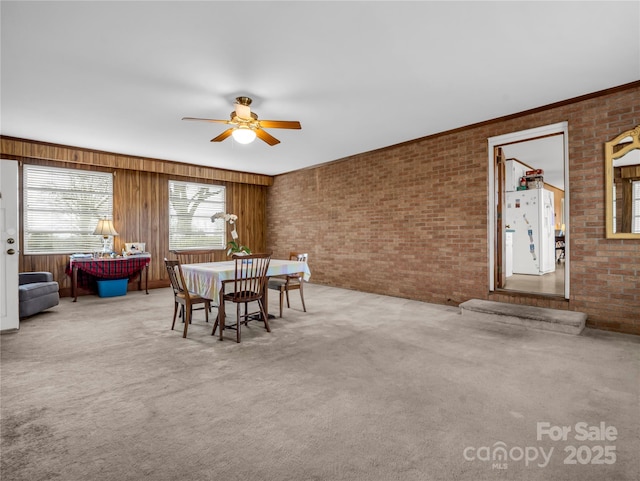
[105, 229]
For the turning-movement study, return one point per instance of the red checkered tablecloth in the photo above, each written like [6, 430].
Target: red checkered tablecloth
[106, 268]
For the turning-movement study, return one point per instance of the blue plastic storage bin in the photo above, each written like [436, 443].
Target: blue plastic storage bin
[112, 287]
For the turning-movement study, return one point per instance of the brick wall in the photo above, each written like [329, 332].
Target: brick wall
[411, 220]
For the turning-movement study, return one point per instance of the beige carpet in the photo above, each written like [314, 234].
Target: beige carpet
[361, 387]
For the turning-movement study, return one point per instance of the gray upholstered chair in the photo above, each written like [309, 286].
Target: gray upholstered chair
[37, 292]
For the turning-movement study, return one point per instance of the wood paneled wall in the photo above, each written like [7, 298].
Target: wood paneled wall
[558, 197]
[18, 149]
[141, 204]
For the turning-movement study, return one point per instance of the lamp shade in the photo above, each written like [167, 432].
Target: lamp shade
[105, 228]
[243, 135]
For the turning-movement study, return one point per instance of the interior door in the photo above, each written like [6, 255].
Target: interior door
[10, 245]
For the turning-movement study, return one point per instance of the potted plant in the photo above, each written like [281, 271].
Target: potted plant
[233, 246]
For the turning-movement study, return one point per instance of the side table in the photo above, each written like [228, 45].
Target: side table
[109, 268]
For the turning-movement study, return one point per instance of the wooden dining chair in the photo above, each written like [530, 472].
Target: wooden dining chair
[194, 256]
[182, 296]
[249, 285]
[290, 282]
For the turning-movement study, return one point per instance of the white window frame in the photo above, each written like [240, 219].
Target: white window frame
[61, 208]
[191, 206]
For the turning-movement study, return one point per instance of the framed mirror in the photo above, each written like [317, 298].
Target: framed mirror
[622, 178]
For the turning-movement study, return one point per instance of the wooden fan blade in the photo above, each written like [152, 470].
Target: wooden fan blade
[280, 124]
[207, 120]
[268, 138]
[222, 136]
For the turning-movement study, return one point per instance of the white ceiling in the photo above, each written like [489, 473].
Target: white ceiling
[119, 76]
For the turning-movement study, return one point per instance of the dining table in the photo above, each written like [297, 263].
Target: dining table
[208, 279]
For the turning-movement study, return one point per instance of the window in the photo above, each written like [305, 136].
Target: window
[190, 209]
[62, 208]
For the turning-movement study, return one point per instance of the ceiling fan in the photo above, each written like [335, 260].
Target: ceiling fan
[246, 126]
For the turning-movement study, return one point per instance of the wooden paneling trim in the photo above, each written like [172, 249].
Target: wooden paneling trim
[20, 149]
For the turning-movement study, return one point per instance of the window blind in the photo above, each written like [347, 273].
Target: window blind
[191, 206]
[62, 208]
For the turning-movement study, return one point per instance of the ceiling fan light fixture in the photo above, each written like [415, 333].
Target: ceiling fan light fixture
[243, 135]
[245, 126]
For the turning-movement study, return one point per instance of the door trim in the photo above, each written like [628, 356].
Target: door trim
[493, 142]
[9, 229]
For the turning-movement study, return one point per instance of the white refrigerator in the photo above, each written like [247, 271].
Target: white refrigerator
[529, 215]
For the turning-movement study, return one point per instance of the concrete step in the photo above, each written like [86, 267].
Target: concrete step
[569, 322]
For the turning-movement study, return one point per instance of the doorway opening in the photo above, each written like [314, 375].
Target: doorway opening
[529, 222]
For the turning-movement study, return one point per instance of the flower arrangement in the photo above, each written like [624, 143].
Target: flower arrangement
[233, 246]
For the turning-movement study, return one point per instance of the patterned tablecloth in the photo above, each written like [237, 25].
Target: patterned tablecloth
[90, 269]
[206, 278]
